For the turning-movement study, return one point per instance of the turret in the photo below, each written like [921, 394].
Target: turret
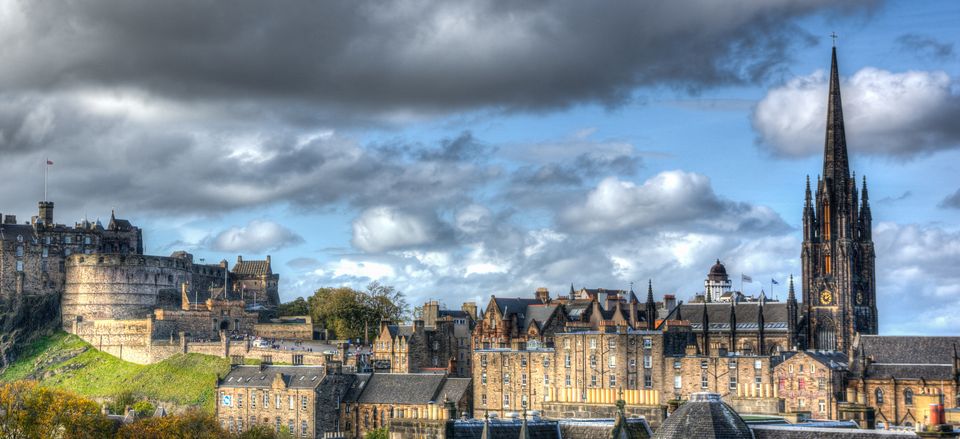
[791, 315]
[866, 217]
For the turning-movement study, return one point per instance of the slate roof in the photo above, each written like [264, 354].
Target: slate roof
[774, 316]
[254, 268]
[302, 377]
[798, 432]
[636, 428]
[504, 429]
[407, 388]
[457, 314]
[834, 360]
[704, 416]
[539, 313]
[907, 356]
[9, 232]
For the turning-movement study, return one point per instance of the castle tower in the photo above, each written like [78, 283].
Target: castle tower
[839, 283]
[46, 213]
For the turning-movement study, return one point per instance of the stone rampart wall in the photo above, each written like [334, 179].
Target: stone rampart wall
[559, 410]
[119, 286]
[286, 331]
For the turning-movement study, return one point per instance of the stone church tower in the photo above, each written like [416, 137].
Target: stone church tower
[839, 282]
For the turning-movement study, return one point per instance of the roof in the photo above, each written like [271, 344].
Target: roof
[834, 360]
[636, 428]
[717, 272]
[455, 313]
[907, 356]
[504, 429]
[255, 268]
[408, 388]
[774, 316]
[798, 432]
[10, 232]
[300, 377]
[704, 416]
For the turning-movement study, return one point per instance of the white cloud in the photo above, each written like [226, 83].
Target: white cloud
[359, 269]
[256, 237]
[386, 228]
[900, 114]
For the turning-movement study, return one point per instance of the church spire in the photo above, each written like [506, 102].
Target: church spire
[651, 307]
[835, 165]
[791, 296]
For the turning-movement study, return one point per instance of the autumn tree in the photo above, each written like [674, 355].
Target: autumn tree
[349, 312]
[29, 411]
[192, 424]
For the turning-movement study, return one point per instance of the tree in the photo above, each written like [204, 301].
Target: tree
[297, 307]
[193, 424]
[29, 411]
[348, 312]
[380, 433]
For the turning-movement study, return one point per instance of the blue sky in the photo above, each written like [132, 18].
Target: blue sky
[458, 150]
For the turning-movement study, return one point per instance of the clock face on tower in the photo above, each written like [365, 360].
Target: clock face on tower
[826, 297]
[859, 297]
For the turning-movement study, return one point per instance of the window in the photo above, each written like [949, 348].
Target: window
[821, 383]
[506, 378]
[523, 361]
[593, 343]
[647, 380]
[758, 380]
[304, 429]
[546, 361]
[45, 252]
[733, 381]
[822, 405]
[20, 266]
[483, 399]
[613, 381]
[290, 405]
[647, 343]
[631, 382]
[593, 361]
[253, 399]
[86, 240]
[483, 360]
[303, 403]
[611, 343]
[758, 364]
[566, 380]
[703, 364]
[67, 240]
[676, 364]
[506, 400]
[781, 382]
[19, 251]
[566, 361]
[732, 363]
[523, 379]
[253, 420]
[908, 396]
[546, 379]
[290, 425]
[239, 424]
[704, 381]
[593, 381]
[483, 378]
[566, 344]
[240, 401]
[612, 362]
[677, 382]
[801, 403]
[276, 426]
[799, 365]
[266, 399]
[633, 363]
[277, 402]
[801, 384]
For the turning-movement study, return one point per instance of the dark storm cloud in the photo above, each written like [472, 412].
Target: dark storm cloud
[924, 46]
[380, 57]
[952, 201]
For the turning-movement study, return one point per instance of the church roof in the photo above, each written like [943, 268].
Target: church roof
[928, 357]
[774, 316]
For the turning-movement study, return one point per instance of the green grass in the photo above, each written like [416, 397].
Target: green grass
[65, 361]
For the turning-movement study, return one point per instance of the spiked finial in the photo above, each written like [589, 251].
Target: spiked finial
[790, 295]
[650, 290]
[863, 193]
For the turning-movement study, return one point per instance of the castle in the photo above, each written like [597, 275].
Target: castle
[118, 299]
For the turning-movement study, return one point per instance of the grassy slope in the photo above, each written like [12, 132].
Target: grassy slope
[65, 361]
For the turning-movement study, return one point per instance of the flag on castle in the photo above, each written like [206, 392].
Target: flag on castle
[745, 278]
[774, 281]
[49, 162]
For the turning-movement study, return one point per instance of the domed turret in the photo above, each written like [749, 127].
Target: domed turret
[717, 283]
[704, 416]
[718, 272]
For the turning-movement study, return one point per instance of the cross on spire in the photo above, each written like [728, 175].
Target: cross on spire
[834, 36]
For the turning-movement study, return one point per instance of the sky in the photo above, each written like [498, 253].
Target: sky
[461, 149]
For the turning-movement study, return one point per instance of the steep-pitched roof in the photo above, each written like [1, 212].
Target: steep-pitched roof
[304, 377]
[774, 316]
[907, 356]
[407, 388]
[254, 268]
[704, 416]
[10, 232]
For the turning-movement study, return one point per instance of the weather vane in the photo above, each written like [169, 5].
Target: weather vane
[833, 35]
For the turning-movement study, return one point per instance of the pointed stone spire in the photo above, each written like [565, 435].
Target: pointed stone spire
[572, 291]
[835, 165]
[733, 327]
[651, 307]
[791, 296]
[706, 331]
[761, 342]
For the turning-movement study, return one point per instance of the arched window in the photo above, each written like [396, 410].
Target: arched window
[879, 396]
[908, 396]
[826, 335]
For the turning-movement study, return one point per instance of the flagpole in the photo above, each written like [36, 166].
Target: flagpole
[46, 169]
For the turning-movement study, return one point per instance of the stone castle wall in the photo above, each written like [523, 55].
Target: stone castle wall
[119, 286]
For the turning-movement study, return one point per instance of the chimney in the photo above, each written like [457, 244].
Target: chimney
[10, 219]
[471, 309]
[543, 295]
[431, 311]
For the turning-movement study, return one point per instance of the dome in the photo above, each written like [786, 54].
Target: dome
[718, 272]
[704, 416]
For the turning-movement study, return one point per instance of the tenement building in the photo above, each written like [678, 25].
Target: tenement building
[438, 342]
[302, 400]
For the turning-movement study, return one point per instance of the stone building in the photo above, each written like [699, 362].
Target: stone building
[717, 285]
[301, 400]
[255, 282]
[440, 341]
[889, 373]
[376, 400]
[812, 381]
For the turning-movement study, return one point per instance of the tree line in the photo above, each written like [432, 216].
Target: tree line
[348, 313]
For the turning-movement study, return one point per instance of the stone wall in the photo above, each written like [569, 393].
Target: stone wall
[119, 286]
[285, 330]
[756, 406]
[418, 428]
